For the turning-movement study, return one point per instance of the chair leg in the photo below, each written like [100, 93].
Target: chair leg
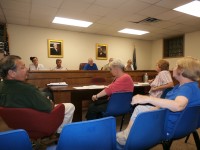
[196, 139]
[187, 138]
[122, 122]
[166, 145]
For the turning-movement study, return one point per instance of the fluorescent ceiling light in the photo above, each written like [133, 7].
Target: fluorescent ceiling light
[133, 31]
[192, 8]
[71, 22]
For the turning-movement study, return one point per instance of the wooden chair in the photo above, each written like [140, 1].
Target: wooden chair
[81, 66]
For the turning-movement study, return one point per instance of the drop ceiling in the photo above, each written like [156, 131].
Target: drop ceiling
[108, 16]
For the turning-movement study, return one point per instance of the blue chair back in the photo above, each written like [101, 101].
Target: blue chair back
[15, 139]
[99, 134]
[186, 124]
[165, 92]
[119, 104]
[147, 130]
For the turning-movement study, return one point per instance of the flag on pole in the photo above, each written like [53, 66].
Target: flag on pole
[134, 59]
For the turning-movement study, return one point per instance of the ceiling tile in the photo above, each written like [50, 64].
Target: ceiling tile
[43, 10]
[169, 15]
[85, 1]
[162, 24]
[16, 13]
[133, 6]
[16, 5]
[39, 22]
[97, 10]
[77, 6]
[19, 21]
[186, 19]
[150, 1]
[110, 3]
[153, 11]
[48, 3]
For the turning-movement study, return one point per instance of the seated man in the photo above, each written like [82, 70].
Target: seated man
[16, 93]
[59, 65]
[90, 65]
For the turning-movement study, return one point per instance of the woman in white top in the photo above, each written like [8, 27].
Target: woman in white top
[162, 81]
[35, 65]
[129, 66]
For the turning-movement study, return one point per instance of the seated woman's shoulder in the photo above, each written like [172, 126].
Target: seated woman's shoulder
[127, 77]
[164, 71]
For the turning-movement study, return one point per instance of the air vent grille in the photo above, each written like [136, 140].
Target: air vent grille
[147, 20]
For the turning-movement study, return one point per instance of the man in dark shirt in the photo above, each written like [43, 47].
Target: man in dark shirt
[16, 93]
[55, 50]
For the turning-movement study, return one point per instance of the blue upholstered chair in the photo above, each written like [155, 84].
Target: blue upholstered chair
[185, 125]
[99, 134]
[119, 105]
[146, 132]
[165, 92]
[195, 135]
[15, 139]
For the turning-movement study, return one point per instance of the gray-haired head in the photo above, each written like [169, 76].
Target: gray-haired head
[8, 63]
[117, 63]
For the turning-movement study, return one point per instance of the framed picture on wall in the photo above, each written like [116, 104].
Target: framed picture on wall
[55, 48]
[101, 51]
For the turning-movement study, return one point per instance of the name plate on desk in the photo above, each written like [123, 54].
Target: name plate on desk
[58, 84]
[90, 87]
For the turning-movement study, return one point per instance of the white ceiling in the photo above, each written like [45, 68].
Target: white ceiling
[108, 16]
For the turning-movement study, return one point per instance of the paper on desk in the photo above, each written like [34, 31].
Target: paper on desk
[90, 87]
[58, 83]
[142, 84]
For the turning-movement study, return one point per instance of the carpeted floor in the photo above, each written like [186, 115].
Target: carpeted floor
[176, 145]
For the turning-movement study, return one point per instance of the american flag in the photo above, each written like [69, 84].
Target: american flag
[134, 59]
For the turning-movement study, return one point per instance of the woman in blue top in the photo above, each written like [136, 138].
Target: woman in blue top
[186, 93]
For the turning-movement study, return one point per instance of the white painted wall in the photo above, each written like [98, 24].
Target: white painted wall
[27, 41]
[192, 48]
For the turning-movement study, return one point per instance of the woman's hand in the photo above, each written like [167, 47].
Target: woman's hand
[94, 97]
[154, 89]
[140, 99]
[149, 81]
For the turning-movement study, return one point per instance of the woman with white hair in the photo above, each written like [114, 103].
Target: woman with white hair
[122, 83]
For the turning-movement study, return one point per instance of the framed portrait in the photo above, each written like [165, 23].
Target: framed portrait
[101, 51]
[55, 48]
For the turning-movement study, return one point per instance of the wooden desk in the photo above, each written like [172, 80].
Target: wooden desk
[76, 96]
[41, 78]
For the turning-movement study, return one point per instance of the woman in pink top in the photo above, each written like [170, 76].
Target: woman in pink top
[122, 83]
